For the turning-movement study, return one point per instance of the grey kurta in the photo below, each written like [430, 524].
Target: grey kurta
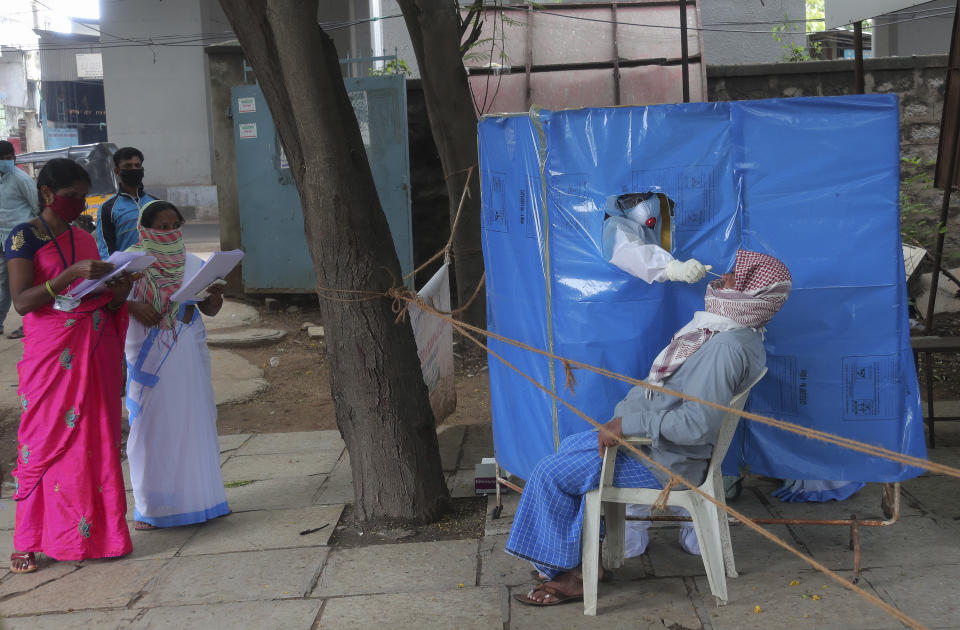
[683, 432]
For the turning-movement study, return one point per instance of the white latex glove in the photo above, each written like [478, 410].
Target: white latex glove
[690, 271]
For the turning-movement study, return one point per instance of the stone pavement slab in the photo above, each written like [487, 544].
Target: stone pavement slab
[785, 606]
[400, 568]
[497, 567]
[464, 609]
[258, 467]
[274, 494]
[865, 504]
[936, 494]
[914, 541]
[160, 543]
[93, 620]
[461, 483]
[234, 378]
[477, 444]
[289, 615]
[338, 487]
[929, 596]
[494, 526]
[655, 603]
[245, 337]
[234, 313]
[265, 529]
[233, 442]
[8, 513]
[298, 442]
[450, 438]
[49, 571]
[98, 584]
[245, 576]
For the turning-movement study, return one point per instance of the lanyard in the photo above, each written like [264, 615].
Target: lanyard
[73, 247]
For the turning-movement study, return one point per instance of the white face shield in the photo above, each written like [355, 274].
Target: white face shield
[642, 208]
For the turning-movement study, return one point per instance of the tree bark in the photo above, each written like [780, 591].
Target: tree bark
[434, 27]
[382, 407]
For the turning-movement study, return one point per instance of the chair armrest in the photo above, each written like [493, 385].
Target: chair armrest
[637, 440]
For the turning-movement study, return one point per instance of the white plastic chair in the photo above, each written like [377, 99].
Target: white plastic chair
[709, 521]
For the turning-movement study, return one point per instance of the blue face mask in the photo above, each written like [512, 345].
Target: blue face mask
[6, 166]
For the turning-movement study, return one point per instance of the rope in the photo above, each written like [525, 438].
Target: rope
[675, 480]
[660, 505]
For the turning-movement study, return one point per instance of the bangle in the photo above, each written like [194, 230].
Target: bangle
[111, 307]
[50, 290]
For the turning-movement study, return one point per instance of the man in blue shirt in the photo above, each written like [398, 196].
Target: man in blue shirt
[18, 203]
[117, 220]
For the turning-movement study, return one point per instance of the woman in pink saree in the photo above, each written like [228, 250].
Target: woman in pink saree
[70, 497]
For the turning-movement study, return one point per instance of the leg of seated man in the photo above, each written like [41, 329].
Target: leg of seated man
[547, 527]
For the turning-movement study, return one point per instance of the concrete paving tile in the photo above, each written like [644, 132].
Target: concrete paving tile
[928, 595]
[936, 494]
[274, 494]
[785, 606]
[450, 439]
[257, 467]
[49, 571]
[232, 442]
[498, 567]
[501, 525]
[401, 568]
[460, 483]
[98, 620]
[224, 457]
[865, 504]
[297, 443]
[946, 455]
[338, 488]
[647, 604]
[97, 584]
[8, 514]
[265, 529]
[914, 541]
[160, 543]
[464, 609]
[752, 553]
[250, 576]
[477, 444]
[125, 465]
[289, 615]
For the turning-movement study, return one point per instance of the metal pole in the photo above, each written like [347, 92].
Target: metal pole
[683, 51]
[528, 56]
[616, 57]
[858, 57]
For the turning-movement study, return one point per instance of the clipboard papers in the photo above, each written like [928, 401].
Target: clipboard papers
[216, 268]
[130, 262]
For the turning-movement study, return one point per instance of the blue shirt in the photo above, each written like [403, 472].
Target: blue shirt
[18, 200]
[117, 222]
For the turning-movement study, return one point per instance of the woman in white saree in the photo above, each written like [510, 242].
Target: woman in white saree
[172, 447]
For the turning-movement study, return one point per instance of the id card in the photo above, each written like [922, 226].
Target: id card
[66, 303]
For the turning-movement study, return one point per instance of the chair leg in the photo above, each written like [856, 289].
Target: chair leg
[615, 515]
[726, 543]
[708, 535]
[590, 543]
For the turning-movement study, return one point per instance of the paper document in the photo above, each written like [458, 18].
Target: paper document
[216, 268]
[131, 262]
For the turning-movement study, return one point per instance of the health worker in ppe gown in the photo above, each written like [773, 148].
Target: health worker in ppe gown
[631, 241]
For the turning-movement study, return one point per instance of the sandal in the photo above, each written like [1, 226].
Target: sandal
[558, 597]
[23, 556]
[607, 576]
[17, 334]
[142, 526]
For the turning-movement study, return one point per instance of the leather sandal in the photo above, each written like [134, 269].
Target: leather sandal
[23, 556]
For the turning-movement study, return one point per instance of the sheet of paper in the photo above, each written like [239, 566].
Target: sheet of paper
[217, 267]
[131, 262]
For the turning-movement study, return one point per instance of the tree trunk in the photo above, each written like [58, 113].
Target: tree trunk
[381, 402]
[434, 27]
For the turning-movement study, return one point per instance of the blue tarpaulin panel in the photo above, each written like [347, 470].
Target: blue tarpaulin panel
[812, 181]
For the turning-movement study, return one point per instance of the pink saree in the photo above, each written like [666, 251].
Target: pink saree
[70, 497]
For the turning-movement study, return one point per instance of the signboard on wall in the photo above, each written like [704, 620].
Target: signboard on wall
[60, 137]
[89, 66]
[844, 12]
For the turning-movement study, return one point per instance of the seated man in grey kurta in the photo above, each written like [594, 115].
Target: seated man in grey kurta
[712, 358]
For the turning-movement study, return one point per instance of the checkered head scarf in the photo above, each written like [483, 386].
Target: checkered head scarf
[761, 286]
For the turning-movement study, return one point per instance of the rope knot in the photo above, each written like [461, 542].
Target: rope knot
[660, 505]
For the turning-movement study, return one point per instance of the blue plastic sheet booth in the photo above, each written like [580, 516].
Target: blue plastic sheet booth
[812, 181]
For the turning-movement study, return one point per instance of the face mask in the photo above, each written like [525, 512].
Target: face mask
[131, 176]
[68, 208]
[6, 166]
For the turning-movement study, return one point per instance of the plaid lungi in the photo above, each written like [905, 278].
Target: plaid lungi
[547, 527]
